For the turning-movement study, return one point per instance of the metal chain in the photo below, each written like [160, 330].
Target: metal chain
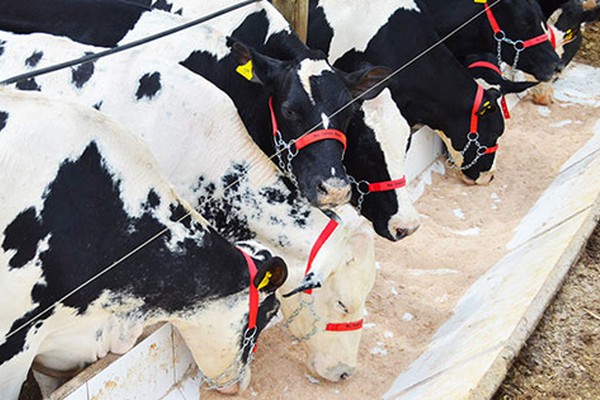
[518, 46]
[316, 319]
[248, 342]
[362, 193]
[472, 138]
[281, 147]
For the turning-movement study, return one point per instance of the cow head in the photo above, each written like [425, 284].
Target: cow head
[220, 338]
[566, 25]
[524, 21]
[310, 109]
[329, 321]
[472, 142]
[377, 141]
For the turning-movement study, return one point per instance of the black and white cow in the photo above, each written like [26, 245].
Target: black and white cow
[435, 90]
[516, 27]
[203, 148]
[95, 244]
[306, 93]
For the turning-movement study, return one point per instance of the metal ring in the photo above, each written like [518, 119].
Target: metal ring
[293, 151]
[481, 150]
[519, 45]
[360, 190]
[472, 136]
[500, 36]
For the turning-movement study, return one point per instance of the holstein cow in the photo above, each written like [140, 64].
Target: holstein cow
[513, 29]
[435, 90]
[566, 22]
[274, 75]
[202, 146]
[95, 244]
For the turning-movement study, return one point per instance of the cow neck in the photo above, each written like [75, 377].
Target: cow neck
[500, 36]
[491, 66]
[249, 338]
[295, 145]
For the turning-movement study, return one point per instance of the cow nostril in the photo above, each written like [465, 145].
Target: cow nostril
[401, 233]
[344, 375]
[322, 188]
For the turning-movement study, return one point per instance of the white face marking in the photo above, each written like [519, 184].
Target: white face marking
[332, 171]
[325, 121]
[309, 68]
[392, 132]
[355, 32]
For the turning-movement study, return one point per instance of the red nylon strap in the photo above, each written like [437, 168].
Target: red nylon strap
[345, 326]
[312, 137]
[387, 185]
[489, 65]
[535, 41]
[552, 36]
[476, 104]
[485, 64]
[253, 312]
[273, 119]
[329, 228]
[322, 134]
[504, 107]
[491, 150]
[492, 19]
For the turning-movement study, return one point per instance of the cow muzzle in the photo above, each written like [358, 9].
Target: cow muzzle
[336, 373]
[333, 192]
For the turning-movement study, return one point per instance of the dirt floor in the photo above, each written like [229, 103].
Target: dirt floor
[561, 359]
[421, 278]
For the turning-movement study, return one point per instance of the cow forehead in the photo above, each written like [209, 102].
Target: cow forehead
[308, 69]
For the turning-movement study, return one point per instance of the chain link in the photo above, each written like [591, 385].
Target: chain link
[248, 342]
[294, 315]
[361, 192]
[282, 147]
[472, 138]
[518, 46]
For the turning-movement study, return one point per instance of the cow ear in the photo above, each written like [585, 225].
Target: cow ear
[366, 81]
[271, 274]
[508, 86]
[253, 65]
[489, 103]
[310, 281]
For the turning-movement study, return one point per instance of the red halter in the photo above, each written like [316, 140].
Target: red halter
[489, 65]
[519, 44]
[253, 311]
[475, 119]
[325, 234]
[309, 138]
[387, 185]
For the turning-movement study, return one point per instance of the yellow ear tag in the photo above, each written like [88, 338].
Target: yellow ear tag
[486, 107]
[265, 281]
[245, 70]
[480, 1]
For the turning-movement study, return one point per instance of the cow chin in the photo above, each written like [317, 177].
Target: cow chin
[237, 387]
[484, 179]
[333, 373]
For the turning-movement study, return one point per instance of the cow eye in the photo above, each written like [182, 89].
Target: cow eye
[289, 113]
[342, 307]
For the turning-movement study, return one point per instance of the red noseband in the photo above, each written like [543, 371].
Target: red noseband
[309, 138]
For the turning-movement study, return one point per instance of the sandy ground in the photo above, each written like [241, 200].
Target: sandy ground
[464, 231]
